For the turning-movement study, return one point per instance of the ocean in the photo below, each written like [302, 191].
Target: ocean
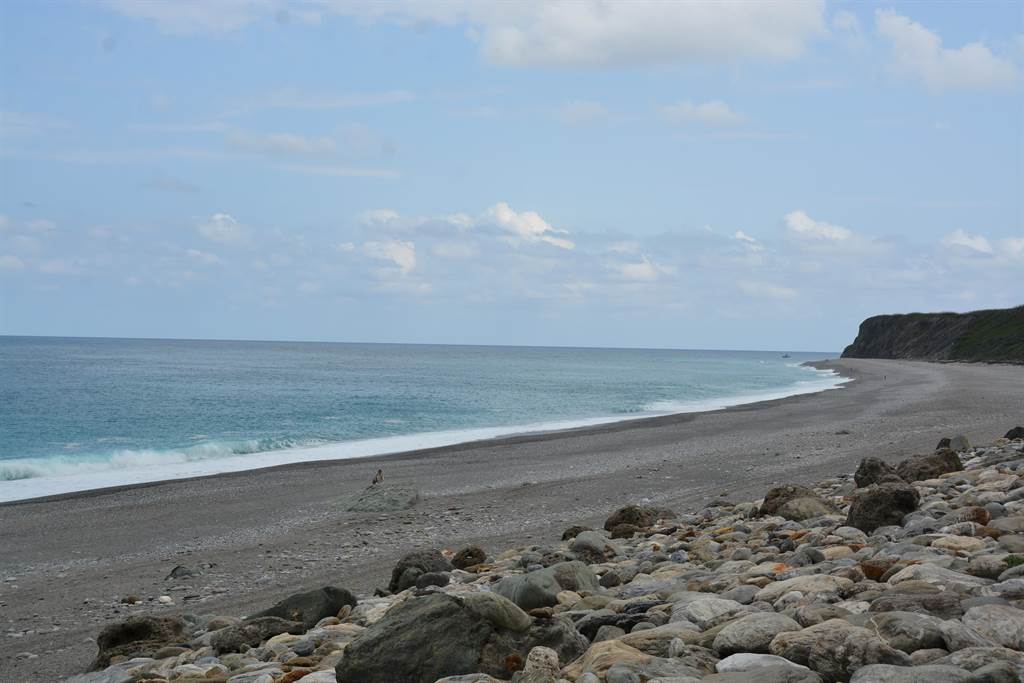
[79, 414]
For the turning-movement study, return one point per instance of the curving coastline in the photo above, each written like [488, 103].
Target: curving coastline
[272, 532]
[80, 480]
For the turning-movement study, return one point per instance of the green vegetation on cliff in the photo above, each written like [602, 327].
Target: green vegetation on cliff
[992, 336]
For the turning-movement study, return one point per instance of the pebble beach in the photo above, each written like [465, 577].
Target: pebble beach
[541, 560]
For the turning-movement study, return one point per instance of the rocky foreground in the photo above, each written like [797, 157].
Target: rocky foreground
[906, 573]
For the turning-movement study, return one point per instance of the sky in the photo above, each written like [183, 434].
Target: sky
[592, 173]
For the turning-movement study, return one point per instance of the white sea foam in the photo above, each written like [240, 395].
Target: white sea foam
[21, 479]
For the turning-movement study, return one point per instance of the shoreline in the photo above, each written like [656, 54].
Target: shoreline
[274, 532]
[523, 434]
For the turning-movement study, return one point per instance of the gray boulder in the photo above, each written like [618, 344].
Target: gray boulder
[310, 607]
[592, 547]
[410, 567]
[252, 632]
[541, 588]
[642, 516]
[929, 673]
[837, 654]
[1002, 624]
[874, 471]
[780, 495]
[468, 557]
[765, 674]
[430, 637]
[138, 636]
[908, 631]
[931, 466]
[752, 633]
[881, 505]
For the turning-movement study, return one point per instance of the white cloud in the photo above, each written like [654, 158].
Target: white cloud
[378, 217]
[624, 247]
[346, 247]
[455, 250]
[1014, 245]
[747, 241]
[960, 238]
[11, 262]
[338, 171]
[918, 53]
[846, 22]
[223, 228]
[635, 32]
[204, 257]
[713, 113]
[402, 254]
[800, 225]
[538, 32]
[766, 290]
[280, 144]
[527, 226]
[211, 16]
[642, 271]
[578, 113]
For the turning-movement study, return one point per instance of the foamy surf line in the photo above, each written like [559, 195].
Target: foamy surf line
[85, 476]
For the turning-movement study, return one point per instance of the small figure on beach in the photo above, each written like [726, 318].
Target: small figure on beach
[377, 478]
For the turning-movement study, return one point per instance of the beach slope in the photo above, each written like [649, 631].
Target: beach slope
[68, 562]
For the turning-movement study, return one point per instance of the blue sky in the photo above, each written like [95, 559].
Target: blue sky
[692, 175]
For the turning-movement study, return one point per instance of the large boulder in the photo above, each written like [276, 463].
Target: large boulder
[381, 497]
[429, 637]
[1002, 624]
[138, 636]
[752, 633]
[794, 502]
[591, 547]
[881, 505]
[541, 588]
[1015, 433]
[836, 654]
[806, 507]
[908, 631]
[410, 567]
[931, 466]
[929, 673]
[252, 632]
[958, 443]
[874, 471]
[778, 496]
[642, 516]
[468, 557]
[310, 607]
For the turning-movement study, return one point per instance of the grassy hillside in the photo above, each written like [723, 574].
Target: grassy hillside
[993, 335]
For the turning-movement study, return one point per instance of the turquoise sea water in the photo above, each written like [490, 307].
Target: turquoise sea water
[77, 414]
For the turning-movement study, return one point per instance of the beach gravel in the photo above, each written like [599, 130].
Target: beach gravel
[937, 587]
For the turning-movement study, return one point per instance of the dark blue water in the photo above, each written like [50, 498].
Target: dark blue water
[81, 413]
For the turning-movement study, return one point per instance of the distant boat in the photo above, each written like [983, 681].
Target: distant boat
[786, 355]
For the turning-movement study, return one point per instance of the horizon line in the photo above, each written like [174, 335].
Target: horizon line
[392, 343]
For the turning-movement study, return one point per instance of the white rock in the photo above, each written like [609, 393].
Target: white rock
[745, 661]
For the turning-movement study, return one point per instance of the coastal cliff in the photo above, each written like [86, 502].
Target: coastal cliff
[993, 336]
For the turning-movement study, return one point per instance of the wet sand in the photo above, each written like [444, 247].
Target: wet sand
[65, 562]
